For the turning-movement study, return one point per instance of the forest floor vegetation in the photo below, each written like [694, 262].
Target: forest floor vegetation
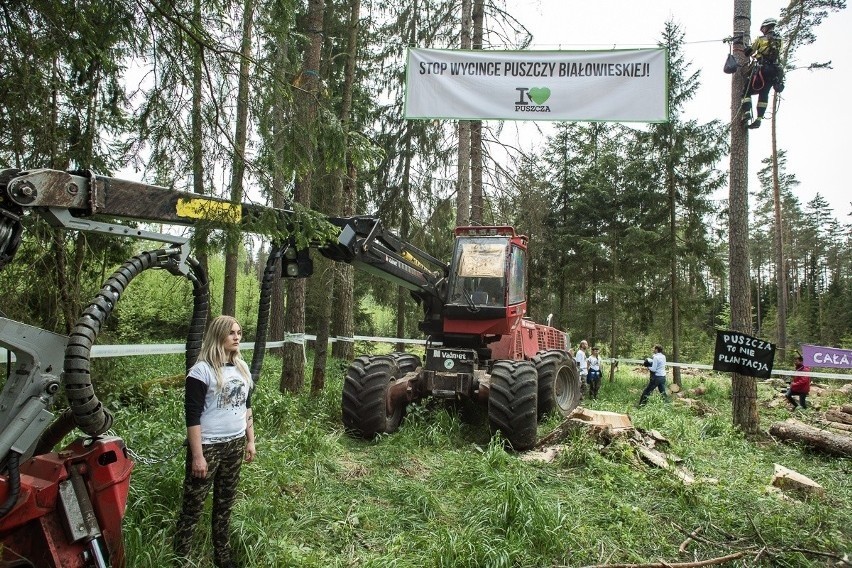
[441, 492]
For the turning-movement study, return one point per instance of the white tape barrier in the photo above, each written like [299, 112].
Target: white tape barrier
[168, 348]
[302, 339]
[781, 372]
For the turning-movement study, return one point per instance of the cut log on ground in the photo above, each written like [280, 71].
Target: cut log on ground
[837, 425]
[847, 408]
[838, 416]
[829, 442]
[789, 480]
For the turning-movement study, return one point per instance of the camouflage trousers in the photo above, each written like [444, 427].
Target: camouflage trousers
[223, 473]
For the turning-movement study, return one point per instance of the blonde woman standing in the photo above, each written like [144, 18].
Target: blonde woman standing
[220, 431]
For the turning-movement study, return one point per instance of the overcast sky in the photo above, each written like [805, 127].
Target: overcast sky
[814, 117]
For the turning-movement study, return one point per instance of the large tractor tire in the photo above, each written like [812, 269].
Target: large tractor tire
[512, 403]
[365, 397]
[558, 382]
[406, 362]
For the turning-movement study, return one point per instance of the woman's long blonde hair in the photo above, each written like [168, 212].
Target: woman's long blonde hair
[213, 351]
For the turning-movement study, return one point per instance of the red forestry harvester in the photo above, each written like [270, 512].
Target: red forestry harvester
[480, 346]
[63, 507]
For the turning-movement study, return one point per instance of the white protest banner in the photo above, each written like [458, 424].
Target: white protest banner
[613, 86]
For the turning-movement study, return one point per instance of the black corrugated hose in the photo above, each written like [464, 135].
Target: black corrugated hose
[200, 307]
[95, 417]
[275, 253]
[14, 483]
[89, 414]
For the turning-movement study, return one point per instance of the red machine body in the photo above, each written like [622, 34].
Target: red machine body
[39, 530]
[480, 344]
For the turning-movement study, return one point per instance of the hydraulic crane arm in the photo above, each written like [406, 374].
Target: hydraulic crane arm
[69, 199]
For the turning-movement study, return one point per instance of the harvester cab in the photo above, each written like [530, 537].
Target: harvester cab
[487, 284]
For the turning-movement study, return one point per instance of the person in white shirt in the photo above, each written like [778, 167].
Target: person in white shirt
[595, 373]
[582, 363]
[657, 370]
[220, 434]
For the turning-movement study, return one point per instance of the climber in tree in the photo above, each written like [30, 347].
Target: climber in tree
[766, 71]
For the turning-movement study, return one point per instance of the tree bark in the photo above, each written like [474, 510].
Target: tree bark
[238, 164]
[780, 269]
[477, 196]
[673, 281]
[829, 442]
[841, 417]
[279, 125]
[293, 364]
[343, 324]
[463, 183]
[744, 388]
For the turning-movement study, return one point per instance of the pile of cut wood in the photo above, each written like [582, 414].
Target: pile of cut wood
[835, 437]
[605, 427]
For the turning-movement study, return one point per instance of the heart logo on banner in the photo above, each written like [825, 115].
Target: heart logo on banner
[539, 95]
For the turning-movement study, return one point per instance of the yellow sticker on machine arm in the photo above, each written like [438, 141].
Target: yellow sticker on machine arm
[200, 208]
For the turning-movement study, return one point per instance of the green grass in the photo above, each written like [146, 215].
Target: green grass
[441, 493]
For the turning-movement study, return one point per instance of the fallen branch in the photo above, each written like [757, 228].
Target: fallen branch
[817, 553]
[696, 564]
[690, 538]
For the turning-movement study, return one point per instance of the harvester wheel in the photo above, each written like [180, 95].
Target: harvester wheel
[512, 403]
[365, 397]
[558, 382]
[406, 362]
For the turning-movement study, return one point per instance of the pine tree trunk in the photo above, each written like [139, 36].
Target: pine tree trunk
[744, 389]
[781, 272]
[829, 442]
[477, 197]
[324, 277]
[238, 164]
[675, 355]
[463, 184]
[293, 369]
[404, 227]
[343, 325]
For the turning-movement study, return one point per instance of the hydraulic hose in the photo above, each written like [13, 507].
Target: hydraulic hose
[11, 228]
[275, 253]
[14, 483]
[200, 308]
[54, 433]
[89, 414]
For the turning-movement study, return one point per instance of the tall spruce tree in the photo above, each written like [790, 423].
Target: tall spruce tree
[685, 154]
